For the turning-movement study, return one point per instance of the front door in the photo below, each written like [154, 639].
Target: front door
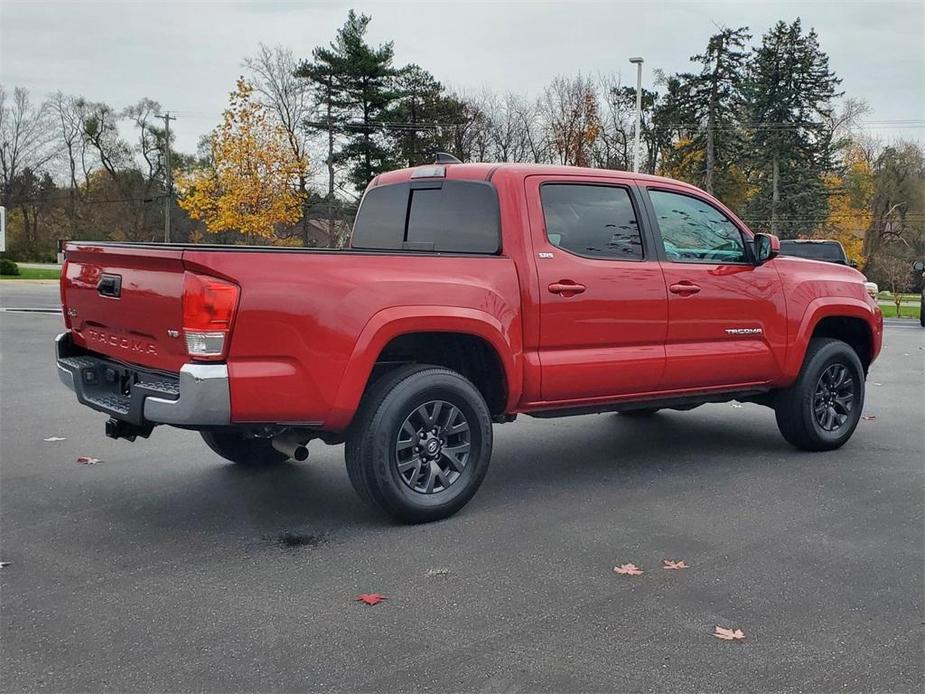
[726, 316]
[603, 302]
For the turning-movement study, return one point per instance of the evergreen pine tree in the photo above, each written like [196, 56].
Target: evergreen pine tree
[367, 82]
[789, 91]
[716, 100]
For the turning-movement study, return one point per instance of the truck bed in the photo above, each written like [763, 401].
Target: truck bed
[302, 316]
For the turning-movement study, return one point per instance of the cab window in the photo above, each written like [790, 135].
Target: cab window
[693, 231]
[593, 221]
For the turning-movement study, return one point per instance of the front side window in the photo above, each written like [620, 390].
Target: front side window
[591, 221]
[694, 231]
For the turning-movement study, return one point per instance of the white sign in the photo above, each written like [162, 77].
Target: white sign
[2, 228]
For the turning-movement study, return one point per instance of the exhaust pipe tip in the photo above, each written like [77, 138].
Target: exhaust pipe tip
[291, 446]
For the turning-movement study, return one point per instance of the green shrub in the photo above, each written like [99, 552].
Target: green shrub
[8, 267]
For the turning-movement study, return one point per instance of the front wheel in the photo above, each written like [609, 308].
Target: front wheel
[420, 444]
[821, 410]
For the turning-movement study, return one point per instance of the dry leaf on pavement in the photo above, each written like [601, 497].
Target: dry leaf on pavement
[88, 460]
[869, 417]
[672, 565]
[728, 634]
[370, 598]
[628, 570]
[52, 439]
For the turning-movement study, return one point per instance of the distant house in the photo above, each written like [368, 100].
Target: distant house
[318, 233]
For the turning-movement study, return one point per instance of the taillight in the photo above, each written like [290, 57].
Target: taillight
[208, 311]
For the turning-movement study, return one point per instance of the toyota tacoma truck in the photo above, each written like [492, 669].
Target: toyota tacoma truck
[470, 293]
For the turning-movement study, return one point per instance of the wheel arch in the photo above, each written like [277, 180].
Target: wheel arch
[852, 322]
[470, 341]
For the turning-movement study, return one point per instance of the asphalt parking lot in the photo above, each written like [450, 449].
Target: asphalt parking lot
[163, 568]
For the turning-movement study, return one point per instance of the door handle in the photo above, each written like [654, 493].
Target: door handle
[566, 288]
[684, 288]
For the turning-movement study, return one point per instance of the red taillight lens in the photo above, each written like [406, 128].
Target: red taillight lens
[208, 310]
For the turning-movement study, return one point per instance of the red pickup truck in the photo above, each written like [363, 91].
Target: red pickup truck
[470, 293]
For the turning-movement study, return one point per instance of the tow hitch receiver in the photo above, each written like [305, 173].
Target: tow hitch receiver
[118, 429]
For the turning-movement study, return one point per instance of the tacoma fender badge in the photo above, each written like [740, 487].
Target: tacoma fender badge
[744, 331]
[173, 333]
[546, 255]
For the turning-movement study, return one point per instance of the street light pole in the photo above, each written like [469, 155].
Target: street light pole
[168, 176]
[638, 62]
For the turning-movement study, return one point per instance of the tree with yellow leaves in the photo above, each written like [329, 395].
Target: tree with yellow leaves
[250, 185]
[850, 194]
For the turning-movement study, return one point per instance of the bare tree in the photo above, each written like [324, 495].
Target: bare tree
[572, 117]
[27, 139]
[273, 74]
[69, 122]
[612, 148]
[898, 273]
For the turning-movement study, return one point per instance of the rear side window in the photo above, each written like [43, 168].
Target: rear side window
[439, 216]
[591, 221]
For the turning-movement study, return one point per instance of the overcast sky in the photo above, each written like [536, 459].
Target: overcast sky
[186, 55]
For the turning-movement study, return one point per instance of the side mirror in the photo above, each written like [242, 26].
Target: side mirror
[919, 266]
[767, 246]
[853, 263]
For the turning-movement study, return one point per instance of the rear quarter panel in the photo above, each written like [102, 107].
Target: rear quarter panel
[310, 325]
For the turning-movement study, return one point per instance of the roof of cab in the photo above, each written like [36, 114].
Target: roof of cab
[486, 171]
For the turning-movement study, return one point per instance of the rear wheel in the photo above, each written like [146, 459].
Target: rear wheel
[420, 444]
[233, 445]
[821, 410]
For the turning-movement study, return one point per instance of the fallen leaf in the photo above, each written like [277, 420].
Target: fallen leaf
[878, 384]
[4, 564]
[52, 439]
[370, 598]
[728, 634]
[88, 460]
[869, 417]
[736, 405]
[437, 572]
[628, 570]
[672, 565]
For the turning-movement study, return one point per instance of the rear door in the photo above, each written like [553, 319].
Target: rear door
[126, 303]
[603, 303]
[726, 316]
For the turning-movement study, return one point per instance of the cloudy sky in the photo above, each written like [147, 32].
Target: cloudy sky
[186, 55]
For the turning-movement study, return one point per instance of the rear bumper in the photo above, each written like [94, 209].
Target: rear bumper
[197, 396]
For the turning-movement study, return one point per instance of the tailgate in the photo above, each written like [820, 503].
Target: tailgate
[126, 303]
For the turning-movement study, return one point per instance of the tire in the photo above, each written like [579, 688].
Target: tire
[640, 413]
[392, 449]
[234, 446]
[830, 370]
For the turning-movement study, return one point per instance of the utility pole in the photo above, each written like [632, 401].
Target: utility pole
[168, 180]
[638, 63]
